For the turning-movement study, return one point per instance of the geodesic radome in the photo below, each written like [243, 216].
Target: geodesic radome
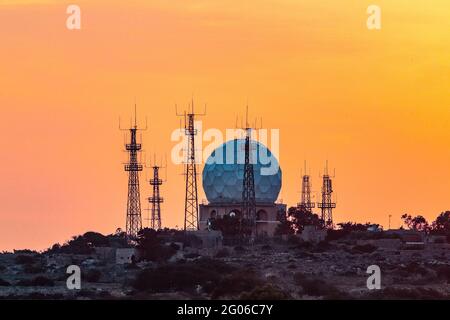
[223, 173]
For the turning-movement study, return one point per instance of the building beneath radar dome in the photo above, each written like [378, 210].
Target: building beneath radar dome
[223, 177]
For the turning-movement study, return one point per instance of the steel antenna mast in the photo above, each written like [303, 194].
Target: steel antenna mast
[248, 190]
[306, 202]
[190, 170]
[133, 167]
[327, 205]
[155, 200]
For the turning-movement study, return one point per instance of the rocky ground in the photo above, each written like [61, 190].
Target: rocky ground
[275, 270]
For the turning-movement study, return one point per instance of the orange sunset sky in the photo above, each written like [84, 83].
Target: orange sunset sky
[376, 104]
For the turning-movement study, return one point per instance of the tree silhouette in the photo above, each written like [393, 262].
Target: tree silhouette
[150, 246]
[353, 226]
[231, 225]
[442, 223]
[301, 217]
[417, 223]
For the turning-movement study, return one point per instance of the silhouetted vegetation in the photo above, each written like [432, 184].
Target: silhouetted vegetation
[191, 255]
[151, 247]
[354, 230]
[91, 275]
[265, 292]
[222, 253]
[365, 248]
[417, 223]
[24, 259]
[442, 223]
[240, 249]
[420, 293]
[85, 244]
[320, 247]
[284, 227]
[237, 283]
[353, 226]
[33, 268]
[313, 286]
[231, 226]
[37, 281]
[297, 218]
[25, 251]
[4, 283]
[443, 273]
[34, 296]
[182, 276]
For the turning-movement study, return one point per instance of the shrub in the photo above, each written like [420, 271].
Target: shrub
[293, 239]
[42, 281]
[92, 275]
[131, 266]
[150, 244]
[317, 287]
[231, 226]
[336, 234]
[321, 247]
[26, 252]
[304, 245]
[40, 296]
[237, 283]
[214, 265]
[415, 268]
[174, 246]
[191, 255]
[4, 283]
[265, 292]
[240, 249]
[77, 245]
[39, 281]
[301, 217]
[366, 248]
[33, 268]
[24, 259]
[85, 244]
[86, 293]
[223, 253]
[182, 276]
[104, 295]
[443, 272]
[24, 283]
[420, 293]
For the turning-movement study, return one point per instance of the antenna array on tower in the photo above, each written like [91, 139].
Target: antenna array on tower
[191, 196]
[133, 167]
[155, 200]
[327, 205]
[248, 191]
[306, 202]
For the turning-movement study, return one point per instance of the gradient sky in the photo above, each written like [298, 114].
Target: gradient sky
[375, 103]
